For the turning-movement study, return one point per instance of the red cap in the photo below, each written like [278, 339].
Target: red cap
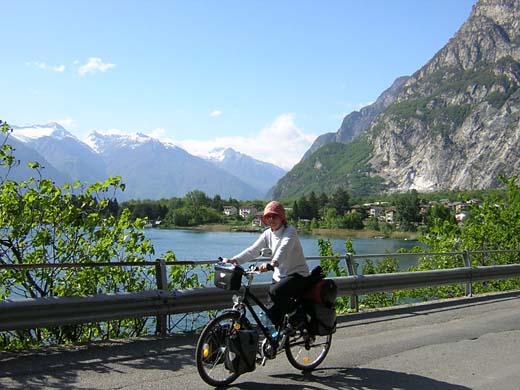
[275, 208]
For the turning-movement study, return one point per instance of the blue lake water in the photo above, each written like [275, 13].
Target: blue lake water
[202, 245]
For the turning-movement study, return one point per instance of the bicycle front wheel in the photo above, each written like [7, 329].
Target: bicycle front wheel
[211, 350]
[306, 351]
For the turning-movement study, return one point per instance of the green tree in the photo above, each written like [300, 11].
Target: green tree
[313, 206]
[438, 213]
[41, 223]
[492, 225]
[304, 209]
[353, 221]
[373, 223]
[323, 201]
[408, 211]
[295, 211]
[331, 218]
[217, 203]
[340, 200]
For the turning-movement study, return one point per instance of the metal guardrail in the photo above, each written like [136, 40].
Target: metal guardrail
[49, 312]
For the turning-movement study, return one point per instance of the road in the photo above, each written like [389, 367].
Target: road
[472, 343]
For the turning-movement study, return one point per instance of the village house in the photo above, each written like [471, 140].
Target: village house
[257, 220]
[376, 212]
[247, 211]
[230, 210]
[390, 215]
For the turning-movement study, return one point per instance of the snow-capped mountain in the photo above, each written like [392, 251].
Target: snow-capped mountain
[25, 154]
[150, 169]
[154, 170]
[30, 133]
[63, 150]
[258, 174]
[103, 142]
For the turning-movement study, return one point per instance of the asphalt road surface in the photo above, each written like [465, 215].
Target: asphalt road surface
[472, 343]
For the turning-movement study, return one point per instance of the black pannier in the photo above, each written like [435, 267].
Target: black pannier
[320, 307]
[241, 350]
[228, 276]
[320, 319]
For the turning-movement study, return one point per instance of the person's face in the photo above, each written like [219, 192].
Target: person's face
[273, 221]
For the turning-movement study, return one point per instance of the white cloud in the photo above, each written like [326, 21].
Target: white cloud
[66, 122]
[94, 65]
[157, 133]
[45, 66]
[281, 143]
[216, 113]
[111, 132]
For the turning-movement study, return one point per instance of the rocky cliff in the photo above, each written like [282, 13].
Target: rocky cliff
[454, 124]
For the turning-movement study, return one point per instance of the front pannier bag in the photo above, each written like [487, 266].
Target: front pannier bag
[228, 276]
[241, 351]
[321, 307]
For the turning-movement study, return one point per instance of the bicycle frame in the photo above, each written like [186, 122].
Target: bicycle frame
[244, 300]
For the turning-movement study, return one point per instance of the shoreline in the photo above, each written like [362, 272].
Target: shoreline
[336, 233]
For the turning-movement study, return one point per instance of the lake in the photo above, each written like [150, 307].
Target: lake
[204, 245]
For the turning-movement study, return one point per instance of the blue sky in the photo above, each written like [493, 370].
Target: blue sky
[264, 77]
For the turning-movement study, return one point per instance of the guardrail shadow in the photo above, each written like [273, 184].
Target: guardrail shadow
[60, 367]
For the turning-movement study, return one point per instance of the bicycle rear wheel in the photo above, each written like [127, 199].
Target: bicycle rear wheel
[211, 350]
[306, 351]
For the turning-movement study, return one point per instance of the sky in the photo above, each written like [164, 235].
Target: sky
[263, 77]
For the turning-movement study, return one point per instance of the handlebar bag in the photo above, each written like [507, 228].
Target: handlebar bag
[228, 276]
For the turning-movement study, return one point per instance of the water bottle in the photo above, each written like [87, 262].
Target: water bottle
[268, 324]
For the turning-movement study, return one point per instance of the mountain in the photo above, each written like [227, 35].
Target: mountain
[25, 155]
[454, 124]
[149, 168]
[63, 151]
[153, 170]
[357, 122]
[258, 174]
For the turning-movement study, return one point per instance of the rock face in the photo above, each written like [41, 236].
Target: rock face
[454, 124]
[357, 122]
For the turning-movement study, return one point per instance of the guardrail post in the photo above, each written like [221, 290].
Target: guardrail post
[162, 284]
[351, 271]
[467, 263]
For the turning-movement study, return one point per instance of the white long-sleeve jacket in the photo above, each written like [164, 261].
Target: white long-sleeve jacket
[286, 248]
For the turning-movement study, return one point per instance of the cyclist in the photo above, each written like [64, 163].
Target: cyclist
[288, 261]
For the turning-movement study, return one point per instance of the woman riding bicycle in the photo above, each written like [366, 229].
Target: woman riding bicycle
[288, 261]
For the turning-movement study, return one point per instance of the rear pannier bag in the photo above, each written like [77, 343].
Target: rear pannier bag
[320, 319]
[321, 307]
[241, 350]
[228, 276]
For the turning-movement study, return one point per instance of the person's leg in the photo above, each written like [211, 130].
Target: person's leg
[282, 295]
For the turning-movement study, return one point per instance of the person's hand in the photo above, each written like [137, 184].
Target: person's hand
[226, 260]
[263, 267]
